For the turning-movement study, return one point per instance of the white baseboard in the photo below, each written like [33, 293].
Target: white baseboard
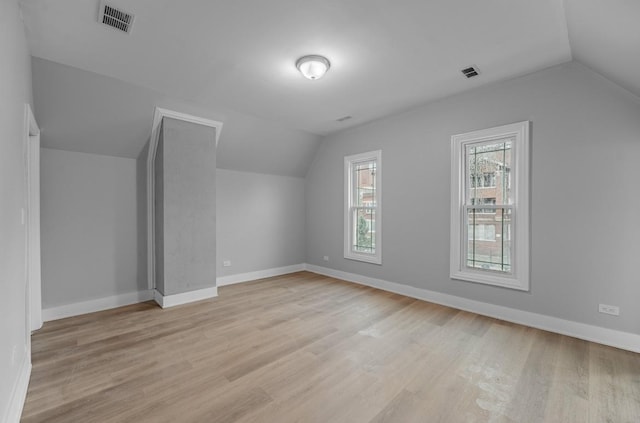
[614, 338]
[19, 394]
[260, 274]
[166, 301]
[99, 304]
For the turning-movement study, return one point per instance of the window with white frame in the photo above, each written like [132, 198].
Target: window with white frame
[482, 232]
[490, 206]
[363, 213]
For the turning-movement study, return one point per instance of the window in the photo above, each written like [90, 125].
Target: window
[483, 180]
[490, 206]
[482, 232]
[484, 200]
[363, 215]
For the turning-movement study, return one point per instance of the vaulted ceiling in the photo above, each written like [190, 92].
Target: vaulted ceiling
[235, 59]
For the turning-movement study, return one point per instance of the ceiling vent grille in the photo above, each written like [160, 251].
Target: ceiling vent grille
[470, 71]
[116, 18]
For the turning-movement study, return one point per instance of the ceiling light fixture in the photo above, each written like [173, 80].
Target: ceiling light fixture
[313, 66]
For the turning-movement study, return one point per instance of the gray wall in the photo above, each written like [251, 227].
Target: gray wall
[141, 208]
[89, 227]
[261, 221]
[189, 206]
[260, 224]
[585, 173]
[15, 92]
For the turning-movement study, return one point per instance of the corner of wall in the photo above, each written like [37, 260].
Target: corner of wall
[19, 393]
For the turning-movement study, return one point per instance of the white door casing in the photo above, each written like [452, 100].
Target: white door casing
[32, 220]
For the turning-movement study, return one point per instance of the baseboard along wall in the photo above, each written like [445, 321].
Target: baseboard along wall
[91, 306]
[166, 301]
[19, 394]
[619, 339]
[260, 274]
[614, 338]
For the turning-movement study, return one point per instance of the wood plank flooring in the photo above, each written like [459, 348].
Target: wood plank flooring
[307, 348]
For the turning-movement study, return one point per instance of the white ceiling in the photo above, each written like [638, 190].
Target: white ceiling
[605, 35]
[385, 55]
[238, 56]
[91, 113]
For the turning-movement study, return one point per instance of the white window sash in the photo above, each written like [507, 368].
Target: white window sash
[351, 208]
[518, 278]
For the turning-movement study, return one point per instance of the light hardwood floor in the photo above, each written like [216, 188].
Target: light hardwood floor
[307, 348]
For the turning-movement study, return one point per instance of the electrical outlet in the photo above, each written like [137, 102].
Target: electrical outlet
[226, 263]
[609, 309]
[325, 258]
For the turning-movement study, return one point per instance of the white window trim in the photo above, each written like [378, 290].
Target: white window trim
[519, 277]
[375, 258]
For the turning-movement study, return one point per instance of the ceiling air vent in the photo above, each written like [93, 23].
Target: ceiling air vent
[342, 119]
[115, 18]
[470, 71]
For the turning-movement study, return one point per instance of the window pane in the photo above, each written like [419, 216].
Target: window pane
[487, 200]
[489, 240]
[364, 224]
[362, 211]
[482, 232]
[488, 173]
[364, 180]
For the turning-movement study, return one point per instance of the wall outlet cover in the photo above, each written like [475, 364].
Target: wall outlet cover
[609, 309]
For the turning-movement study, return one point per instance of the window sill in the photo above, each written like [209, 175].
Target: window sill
[488, 278]
[366, 258]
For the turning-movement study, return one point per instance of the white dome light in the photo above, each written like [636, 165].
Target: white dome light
[313, 67]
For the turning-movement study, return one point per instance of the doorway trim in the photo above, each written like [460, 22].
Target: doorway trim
[158, 115]
[32, 219]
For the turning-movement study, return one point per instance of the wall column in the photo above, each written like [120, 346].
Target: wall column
[185, 212]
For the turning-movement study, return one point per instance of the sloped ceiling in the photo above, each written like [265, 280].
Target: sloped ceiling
[83, 111]
[235, 61]
[605, 35]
